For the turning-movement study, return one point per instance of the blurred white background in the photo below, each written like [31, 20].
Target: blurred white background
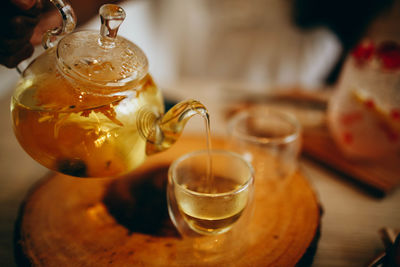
[252, 44]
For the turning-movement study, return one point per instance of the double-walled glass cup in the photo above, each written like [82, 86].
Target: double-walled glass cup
[209, 192]
[269, 139]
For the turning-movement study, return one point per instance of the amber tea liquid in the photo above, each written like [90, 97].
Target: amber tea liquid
[212, 214]
[81, 132]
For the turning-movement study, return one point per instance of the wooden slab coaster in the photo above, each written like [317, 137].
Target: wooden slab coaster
[67, 221]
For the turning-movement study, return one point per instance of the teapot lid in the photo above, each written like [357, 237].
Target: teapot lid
[103, 59]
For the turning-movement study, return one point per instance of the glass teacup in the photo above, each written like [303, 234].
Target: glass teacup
[208, 197]
[268, 138]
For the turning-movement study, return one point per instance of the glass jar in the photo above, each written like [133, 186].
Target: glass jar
[364, 113]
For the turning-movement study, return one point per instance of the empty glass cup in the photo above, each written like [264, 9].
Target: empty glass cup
[269, 139]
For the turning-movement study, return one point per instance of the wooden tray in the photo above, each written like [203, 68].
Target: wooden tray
[379, 177]
[68, 221]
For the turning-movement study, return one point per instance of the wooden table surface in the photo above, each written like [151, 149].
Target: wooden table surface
[350, 223]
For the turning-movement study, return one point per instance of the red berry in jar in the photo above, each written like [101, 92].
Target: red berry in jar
[389, 54]
[363, 52]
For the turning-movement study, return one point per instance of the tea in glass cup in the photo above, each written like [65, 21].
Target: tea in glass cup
[206, 200]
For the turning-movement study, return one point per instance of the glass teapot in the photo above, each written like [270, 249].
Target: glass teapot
[88, 107]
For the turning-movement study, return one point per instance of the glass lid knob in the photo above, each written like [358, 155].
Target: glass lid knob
[111, 17]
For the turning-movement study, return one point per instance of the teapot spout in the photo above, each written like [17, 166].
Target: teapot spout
[161, 132]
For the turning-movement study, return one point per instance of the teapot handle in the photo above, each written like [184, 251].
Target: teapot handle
[50, 37]
[69, 23]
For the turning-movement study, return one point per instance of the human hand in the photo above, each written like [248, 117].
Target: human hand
[18, 19]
